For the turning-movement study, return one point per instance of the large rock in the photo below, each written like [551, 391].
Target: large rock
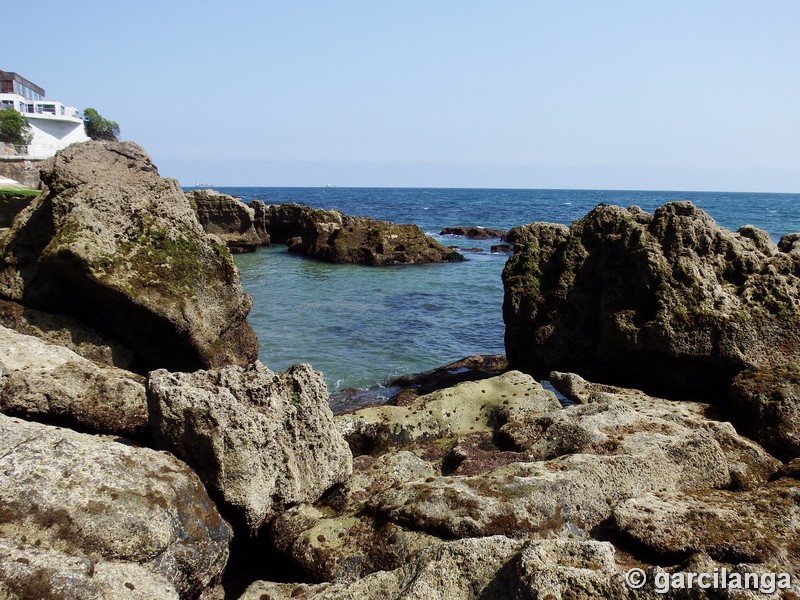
[754, 526]
[44, 382]
[766, 404]
[260, 440]
[475, 569]
[111, 242]
[227, 218]
[331, 236]
[69, 332]
[101, 513]
[474, 233]
[667, 302]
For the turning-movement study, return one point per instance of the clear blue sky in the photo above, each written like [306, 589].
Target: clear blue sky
[679, 95]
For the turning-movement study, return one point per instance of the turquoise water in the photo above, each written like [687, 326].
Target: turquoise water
[363, 325]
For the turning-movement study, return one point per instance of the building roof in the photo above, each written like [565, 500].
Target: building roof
[11, 76]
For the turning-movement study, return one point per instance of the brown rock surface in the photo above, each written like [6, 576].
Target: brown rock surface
[114, 244]
[73, 502]
[668, 302]
[227, 218]
[50, 383]
[331, 236]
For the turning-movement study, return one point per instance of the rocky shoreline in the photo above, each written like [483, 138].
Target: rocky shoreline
[146, 453]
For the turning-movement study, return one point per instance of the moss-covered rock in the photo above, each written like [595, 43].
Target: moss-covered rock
[114, 244]
[668, 302]
[333, 237]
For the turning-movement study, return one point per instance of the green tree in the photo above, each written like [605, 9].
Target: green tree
[99, 128]
[14, 128]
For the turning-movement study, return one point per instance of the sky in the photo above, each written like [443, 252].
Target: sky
[679, 95]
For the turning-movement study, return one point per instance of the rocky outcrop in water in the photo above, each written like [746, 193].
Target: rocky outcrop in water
[474, 233]
[331, 236]
[260, 440]
[114, 244]
[227, 218]
[98, 518]
[668, 302]
[46, 382]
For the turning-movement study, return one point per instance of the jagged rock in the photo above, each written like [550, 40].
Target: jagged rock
[766, 404]
[69, 332]
[227, 218]
[73, 503]
[501, 456]
[331, 236]
[474, 233]
[260, 220]
[260, 440]
[114, 244]
[668, 302]
[50, 383]
[476, 569]
[579, 463]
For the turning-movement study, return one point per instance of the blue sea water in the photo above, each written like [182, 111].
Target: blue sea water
[361, 326]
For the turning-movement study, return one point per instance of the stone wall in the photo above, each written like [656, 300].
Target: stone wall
[24, 170]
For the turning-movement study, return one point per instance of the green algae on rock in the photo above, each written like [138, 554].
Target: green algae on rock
[116, 245]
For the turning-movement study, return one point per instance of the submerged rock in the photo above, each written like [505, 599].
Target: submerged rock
[114, 244]
[331, 236]
[75, 505]
[44, 382]
[668, 302]
[260, 440]
[227, 218]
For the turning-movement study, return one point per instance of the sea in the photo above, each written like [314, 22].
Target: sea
[363, 326]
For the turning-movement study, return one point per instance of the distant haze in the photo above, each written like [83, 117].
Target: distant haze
[617, 95]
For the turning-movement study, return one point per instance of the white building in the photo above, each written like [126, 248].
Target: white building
[53, 125]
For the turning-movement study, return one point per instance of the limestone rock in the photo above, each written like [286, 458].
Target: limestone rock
[260, 221]
[766, 402]
[227, 218]
[476, 569]
[114, 244]
[668, 302]
[74, 502]
[334, 237]
[469, 407]
[69, 332]
[260, 440]
[336, 540]
[473, 233]
[754, 526]
[50, 383]
[580, 462]
[28, 571]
